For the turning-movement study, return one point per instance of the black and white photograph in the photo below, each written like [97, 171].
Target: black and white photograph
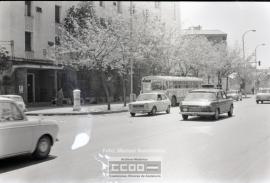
[134, 91]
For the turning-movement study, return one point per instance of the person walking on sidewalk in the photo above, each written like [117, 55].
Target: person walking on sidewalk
[60, 97]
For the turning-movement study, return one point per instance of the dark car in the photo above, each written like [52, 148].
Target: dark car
[206, 102]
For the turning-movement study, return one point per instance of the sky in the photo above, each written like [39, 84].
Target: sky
[233, 18]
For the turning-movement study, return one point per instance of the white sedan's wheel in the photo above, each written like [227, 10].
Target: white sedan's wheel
[43, 148]
[154, 111]
[230, 113]
[168, 109]
[216, 116]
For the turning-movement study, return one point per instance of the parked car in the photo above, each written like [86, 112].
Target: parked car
[150, 103]
[18, 135]
[206, 102]
[263, 95]
[18, 99]
[234, 94]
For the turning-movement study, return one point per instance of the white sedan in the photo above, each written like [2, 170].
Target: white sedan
[17, 99]
[18, 135]
[150, 103]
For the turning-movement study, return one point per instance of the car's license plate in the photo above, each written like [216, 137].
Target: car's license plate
[185, 110]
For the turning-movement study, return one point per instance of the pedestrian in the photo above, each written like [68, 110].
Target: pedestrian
[60, 97]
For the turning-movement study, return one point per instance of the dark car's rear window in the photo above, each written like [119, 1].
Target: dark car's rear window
[200, 96]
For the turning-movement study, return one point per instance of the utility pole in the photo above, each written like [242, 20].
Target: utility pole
[132, 97]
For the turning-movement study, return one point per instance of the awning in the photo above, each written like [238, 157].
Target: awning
[32, 66]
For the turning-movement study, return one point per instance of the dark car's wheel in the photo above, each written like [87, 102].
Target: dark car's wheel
[257, 101]
[216, 116]
[168, 110]
[154, 111]
[132, 114]
[174, 101]
[185, 117]
[43, 148]
[230, 113]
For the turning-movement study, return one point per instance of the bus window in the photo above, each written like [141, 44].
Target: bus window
[165, 85]
[170, 84]
[156, 85]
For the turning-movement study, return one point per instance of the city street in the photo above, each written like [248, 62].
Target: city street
[232, 149]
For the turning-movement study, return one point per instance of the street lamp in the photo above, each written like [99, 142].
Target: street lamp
[243, 41]
[255, 80]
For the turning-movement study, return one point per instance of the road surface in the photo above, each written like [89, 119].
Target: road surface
[232, 149]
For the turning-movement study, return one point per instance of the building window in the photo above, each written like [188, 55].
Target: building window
[28, 41]
[119, 7]
[39, 9]
[57, 14]
[110, 21]
[132, 10]
[102, 22]
[157, 4]
[146, 14]
[101, 4]
[57, 40]
[50, 43]
[28, 8]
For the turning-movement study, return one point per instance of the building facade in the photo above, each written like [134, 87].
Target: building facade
[29, 30]
[215, 36]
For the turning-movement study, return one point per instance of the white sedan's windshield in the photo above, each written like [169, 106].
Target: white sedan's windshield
[147, 97]
[200, 96]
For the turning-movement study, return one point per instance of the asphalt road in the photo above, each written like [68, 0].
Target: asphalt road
[232, 149]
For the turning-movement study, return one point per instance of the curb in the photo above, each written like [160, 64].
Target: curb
[73, 113]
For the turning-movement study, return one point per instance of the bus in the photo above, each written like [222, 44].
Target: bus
[174, 87]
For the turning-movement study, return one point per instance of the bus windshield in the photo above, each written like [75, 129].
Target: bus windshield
[146, 96]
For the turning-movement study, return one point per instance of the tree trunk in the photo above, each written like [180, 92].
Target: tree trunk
[1, 85]
[227, 83]
[124, 90]
[106, 89]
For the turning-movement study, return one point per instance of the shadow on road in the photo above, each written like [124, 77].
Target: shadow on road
[146, 115]
[207, 119]
[18, 162]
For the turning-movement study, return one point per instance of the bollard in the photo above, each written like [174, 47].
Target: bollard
[76, 100]
[132, 97]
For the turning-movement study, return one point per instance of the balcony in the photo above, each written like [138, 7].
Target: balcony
[29, 55]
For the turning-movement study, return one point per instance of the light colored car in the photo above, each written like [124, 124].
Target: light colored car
[263, 95]
[18, 135]
[18, 99]
[234, 94]
[206, 102]
[150, 103]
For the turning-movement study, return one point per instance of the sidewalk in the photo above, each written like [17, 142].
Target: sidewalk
[68, 110]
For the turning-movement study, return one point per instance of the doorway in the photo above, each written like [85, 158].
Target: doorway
[31, 88]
